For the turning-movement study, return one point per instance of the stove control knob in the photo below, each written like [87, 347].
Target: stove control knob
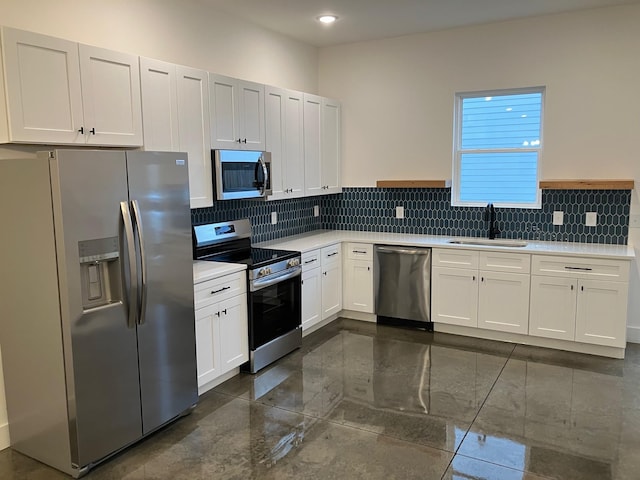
[294, 262]
[263, 272]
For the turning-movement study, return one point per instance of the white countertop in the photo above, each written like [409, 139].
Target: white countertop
[321, 238]
[203, 271]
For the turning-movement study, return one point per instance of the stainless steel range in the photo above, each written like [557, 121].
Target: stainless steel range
[274, 298]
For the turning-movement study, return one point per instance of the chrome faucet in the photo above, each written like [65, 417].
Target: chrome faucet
[490, 216]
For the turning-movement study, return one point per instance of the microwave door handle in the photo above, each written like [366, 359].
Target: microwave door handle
[143, 262]
[265, 174]
[130, 297]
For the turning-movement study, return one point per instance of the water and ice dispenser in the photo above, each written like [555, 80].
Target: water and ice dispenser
[99, 272]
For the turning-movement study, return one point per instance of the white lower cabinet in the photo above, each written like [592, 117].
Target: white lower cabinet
[358, 277]
[481, 289]
[331, 264]
[579, 299]
[311, 297]
[222, 340]
[321, 285]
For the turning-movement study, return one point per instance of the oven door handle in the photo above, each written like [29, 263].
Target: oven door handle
[267, 282]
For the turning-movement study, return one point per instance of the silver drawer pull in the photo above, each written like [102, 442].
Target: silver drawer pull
[332, 254]
[584, 269]
[310, 261]
[221, 290]
[359, 251]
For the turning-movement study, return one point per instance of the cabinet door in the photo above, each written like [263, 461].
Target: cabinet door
[275, 139]
[358, 288]
[110, 97]
[312, 124]
[294, 143]
[250, 115]
[223, 93]
[193, 132]
[503, 301]
[601, 316]
[454, 296]
[159, 105]
[44, 97]
[330, 148]
[207, 335]
[331, 289]
[234, 333]
[311, 297]
[553, 307]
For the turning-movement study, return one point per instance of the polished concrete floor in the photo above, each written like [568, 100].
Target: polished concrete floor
[361, 401]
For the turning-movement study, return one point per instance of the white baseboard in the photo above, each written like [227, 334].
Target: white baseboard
[218, 380]
[633, 334]
[4, 436]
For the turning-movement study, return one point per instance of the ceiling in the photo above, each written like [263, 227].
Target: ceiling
[361, 20]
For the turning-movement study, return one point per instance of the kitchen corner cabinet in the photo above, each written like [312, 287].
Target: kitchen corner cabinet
[311, 289]
[330, 148]
[222, 339]
[358, 277]
[579, 299]
[62, 92]
[237, 113]
[488, 290]
[331, 263]
[285, 141]
[175, 104]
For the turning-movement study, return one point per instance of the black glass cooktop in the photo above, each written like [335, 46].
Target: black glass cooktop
[253, 257]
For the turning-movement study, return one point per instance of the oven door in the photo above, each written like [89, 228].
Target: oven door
[274, 309]
[241, 174]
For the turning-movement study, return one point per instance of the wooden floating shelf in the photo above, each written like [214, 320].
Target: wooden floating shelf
[413, 183]
[587, 184]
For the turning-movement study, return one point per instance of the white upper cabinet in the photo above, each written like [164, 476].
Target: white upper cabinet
[110, 97]
[175, 105]
[237, 113]
[193, 132]
[312, 138]
[330, 148]
[158, 82]
[42, 90]
[60, 92]
[285, 141]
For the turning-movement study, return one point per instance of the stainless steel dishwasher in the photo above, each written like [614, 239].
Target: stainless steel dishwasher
[402, 279]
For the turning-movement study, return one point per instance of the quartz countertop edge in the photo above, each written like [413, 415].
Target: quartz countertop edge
[321, 238]
[203, 271]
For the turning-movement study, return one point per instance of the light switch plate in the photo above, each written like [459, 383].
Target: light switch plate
[316, 210]
[399, 211]
[591, 219]
[274, 218]
[558, 218]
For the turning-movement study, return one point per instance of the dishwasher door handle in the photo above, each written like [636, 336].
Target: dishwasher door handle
[405, 251]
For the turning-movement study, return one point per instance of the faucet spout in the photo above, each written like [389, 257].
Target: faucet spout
[490, 216]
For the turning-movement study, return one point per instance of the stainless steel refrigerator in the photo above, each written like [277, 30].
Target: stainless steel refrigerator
[97, 327]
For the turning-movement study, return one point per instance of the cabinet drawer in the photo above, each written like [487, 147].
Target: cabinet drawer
[331, 254]
[219, 289]
[454, 258]
[359, 251]
[579, 267]
[505, 262]
[310, 260]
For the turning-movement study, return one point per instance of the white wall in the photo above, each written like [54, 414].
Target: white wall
[186, 32]
[398, 98]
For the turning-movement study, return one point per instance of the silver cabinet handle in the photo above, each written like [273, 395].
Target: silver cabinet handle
[584, 269]
[131, 298]
[221, 290]
[143, 261]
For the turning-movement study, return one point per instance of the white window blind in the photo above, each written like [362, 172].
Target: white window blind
[498, 146]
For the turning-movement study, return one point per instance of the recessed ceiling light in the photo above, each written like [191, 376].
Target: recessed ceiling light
[327, 19]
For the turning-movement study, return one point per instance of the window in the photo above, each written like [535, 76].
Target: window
[498, 142]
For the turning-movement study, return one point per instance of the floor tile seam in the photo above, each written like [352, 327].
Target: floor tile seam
[502, 466]
[479, 409]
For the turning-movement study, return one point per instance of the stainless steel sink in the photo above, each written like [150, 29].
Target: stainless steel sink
[491, 243]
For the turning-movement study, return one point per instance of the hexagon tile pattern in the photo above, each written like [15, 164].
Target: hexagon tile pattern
[429, 212]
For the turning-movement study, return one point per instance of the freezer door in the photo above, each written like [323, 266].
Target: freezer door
[99, 344]
[159, 193]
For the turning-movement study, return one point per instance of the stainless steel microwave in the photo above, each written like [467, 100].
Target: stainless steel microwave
[241, 174]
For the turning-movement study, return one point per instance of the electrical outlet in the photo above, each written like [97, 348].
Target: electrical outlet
[591, 219]
[316, 210]
[274, 218]
[399, 211]
[558, 218]
[634, 221]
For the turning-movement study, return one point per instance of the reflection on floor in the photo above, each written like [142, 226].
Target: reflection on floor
[372, 402]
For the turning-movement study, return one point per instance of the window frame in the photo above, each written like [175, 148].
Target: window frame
[457, 151]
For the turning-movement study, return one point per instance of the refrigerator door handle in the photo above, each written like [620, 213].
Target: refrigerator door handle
[143, 262]
[130, 297]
